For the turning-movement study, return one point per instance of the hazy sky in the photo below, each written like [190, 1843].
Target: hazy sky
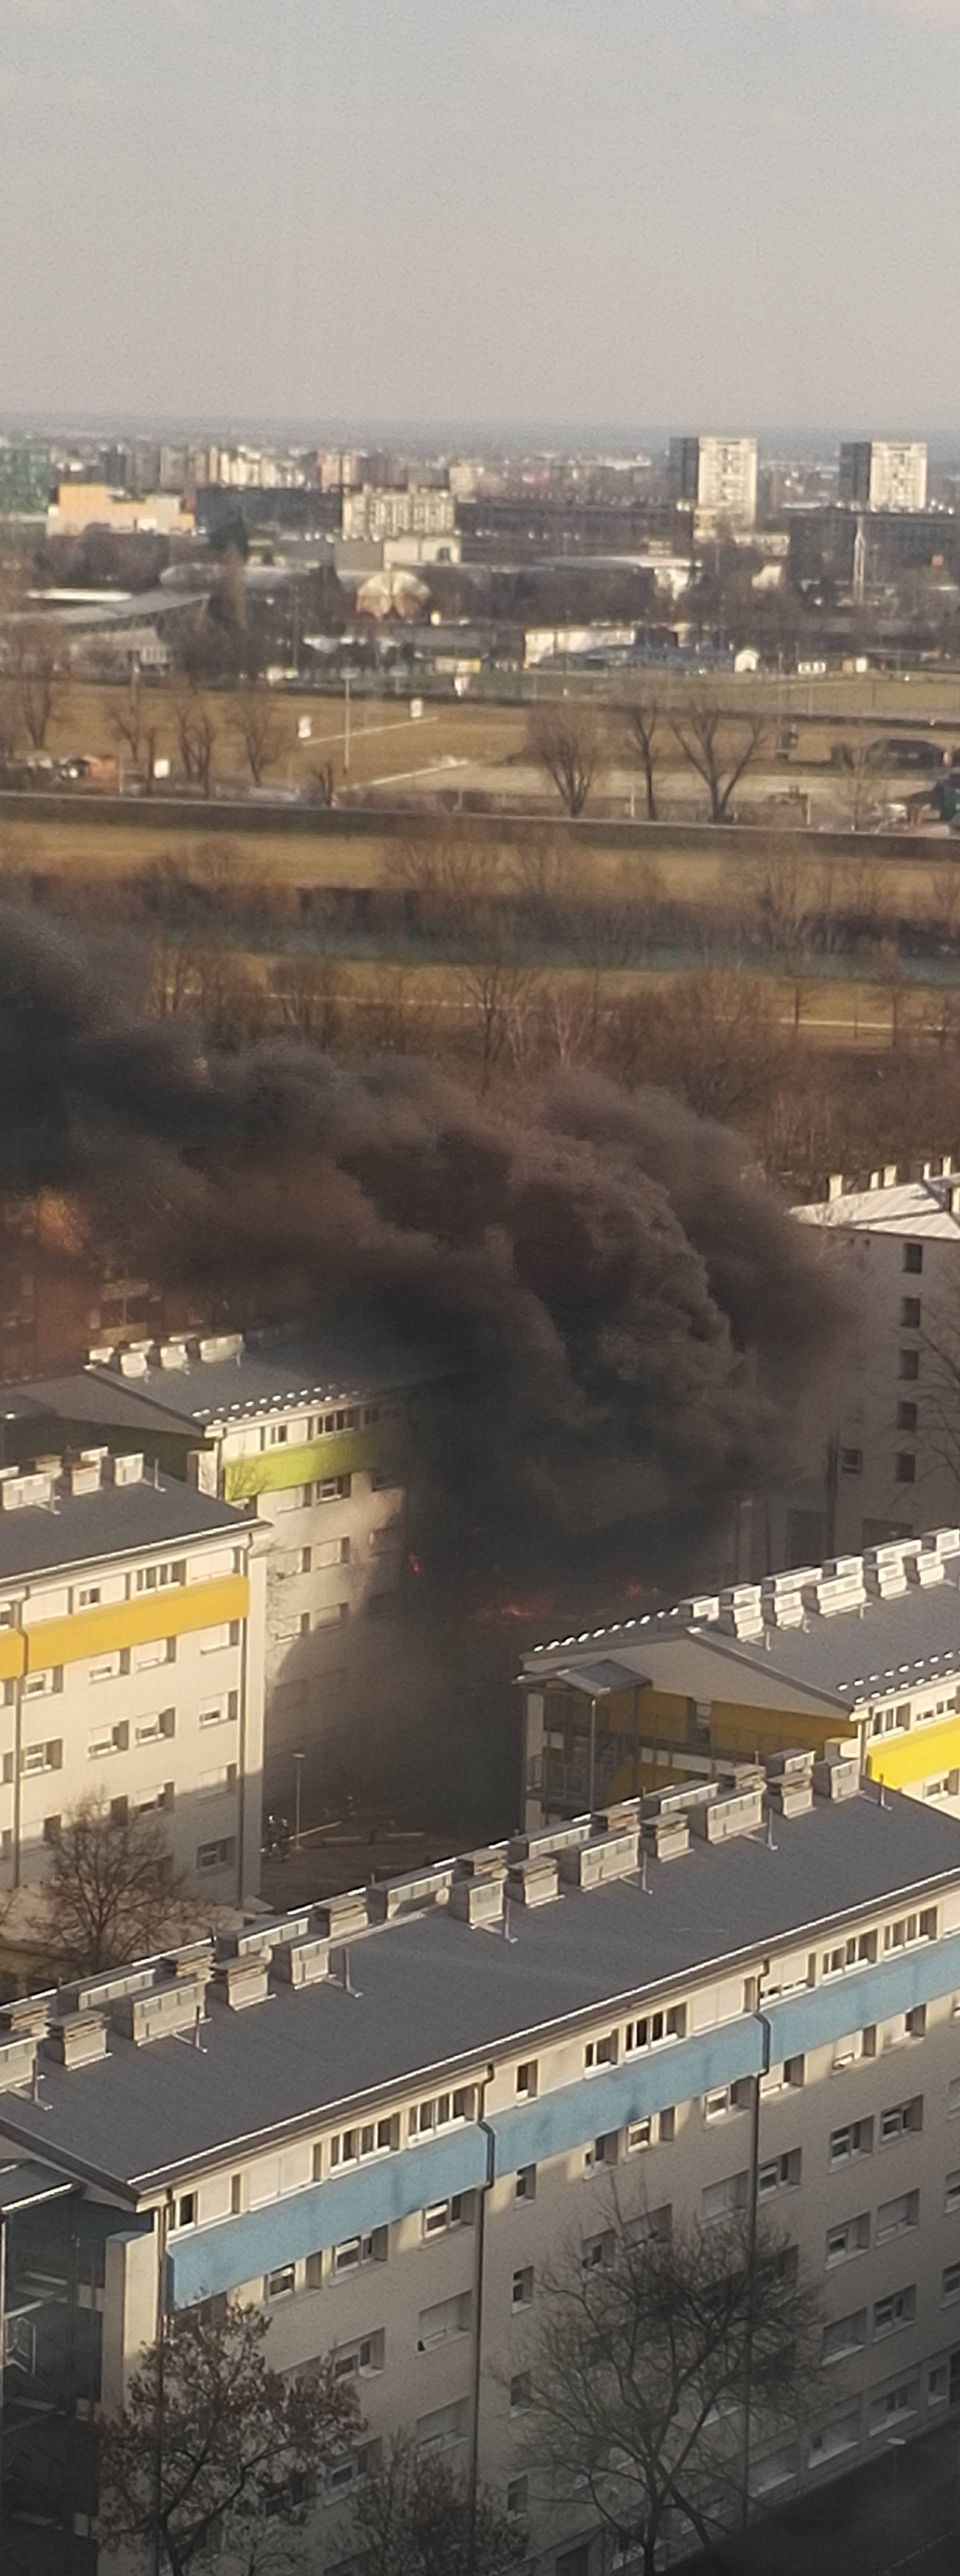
[713, 212]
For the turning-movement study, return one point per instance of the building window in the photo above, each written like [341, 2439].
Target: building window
[526, 2080]
[845, 2335]
[158, 1578]
[359, 2360]
[281, 2284]
[857, 1952]
[521, 2392]
[894, 2217]
[851, 1461]
[951, 2195]
[900, 2119]
[444, 2215]
[906, 1417]
[525, 2183]
[909, 1363]
[185, 2213]
[218, 1855]
[42, 1757]
[897, 2309]
[518, 2491]
[852, 2236]
[910, 1928]
[778, 2174]
[639, 2134]
[905, 1467]
[356, 2251]
[950, 2284]
[521, 2288]
[913, 1258]
[655, 2028]
[893, 2405]
[600, 2052]
[854, 2140]
[910, 1314]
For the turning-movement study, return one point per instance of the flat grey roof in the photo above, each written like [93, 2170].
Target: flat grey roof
[116, 1521]
[684, 1661]
[84, 1395]
[275, 1375]
[430, 1993]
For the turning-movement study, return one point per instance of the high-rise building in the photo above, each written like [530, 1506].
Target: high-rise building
[384, 2121]
[884, 473]
[24, 478]
[717, 476]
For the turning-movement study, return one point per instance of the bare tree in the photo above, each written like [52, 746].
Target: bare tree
[492, 993]
[720, 747]
[37, 659]
[307, 991]
[132, 726]
[11, 722]
[111, 1893]
[196, 731]
[416, 2516]
[782, 899]
[566, 742]
[257, 727]
[644, 734]
[214, 2451]
[661, 2367]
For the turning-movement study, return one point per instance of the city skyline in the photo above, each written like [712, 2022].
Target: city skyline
[544, 214]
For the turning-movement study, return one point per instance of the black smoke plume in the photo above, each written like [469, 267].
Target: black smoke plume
[626, 1332]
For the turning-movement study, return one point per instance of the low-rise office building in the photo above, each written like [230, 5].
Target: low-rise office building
[862, 1652]
[711, 2003]
[131, 1665]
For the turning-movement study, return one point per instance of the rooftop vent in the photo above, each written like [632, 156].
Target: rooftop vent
[18, 2058]
[741, 1613]
[25, 1493]
[704, 1606]
[666, 1836]
[489, 1862]
[78, 2039]
[478, 1900]
[170, 2004]
[735, 1811]
[342, 1915]
[551, 1839]
[25, 2017]
[222, 1346]
[837, 1774]
[173, 1355]
[533, 1881]
[834, 1593]
[884, 1573]
[85, 1475]
[413, 1894]
[302, 1961]
[133, 1363]
[790, 1783]
[247, 1941]
[608, 1856]
[926, 1567]
[126, 1468]
[945, 1541]
[240, 1982]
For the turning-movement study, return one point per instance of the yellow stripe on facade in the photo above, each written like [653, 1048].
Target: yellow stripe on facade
[921, 1755]
[175, 1612]
[340, 1453]
[12, 1657]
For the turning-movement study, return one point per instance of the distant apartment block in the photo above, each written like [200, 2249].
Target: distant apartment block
[417, 510]
[717, 477]
[131, 1664]
[387, 2117]
[884, 473]
[890, 1467]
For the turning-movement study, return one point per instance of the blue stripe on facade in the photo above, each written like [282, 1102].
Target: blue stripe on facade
[865, 1995]
[217, 2258]
[596, 2104]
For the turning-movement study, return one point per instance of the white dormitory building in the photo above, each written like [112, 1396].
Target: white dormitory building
[377, 512]
[313, 1441]
[718, 476]
[884, 473]
[890, 1467]
[131, 1665]
[710, 2002]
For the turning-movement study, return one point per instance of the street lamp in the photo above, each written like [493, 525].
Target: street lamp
[299, 1760]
